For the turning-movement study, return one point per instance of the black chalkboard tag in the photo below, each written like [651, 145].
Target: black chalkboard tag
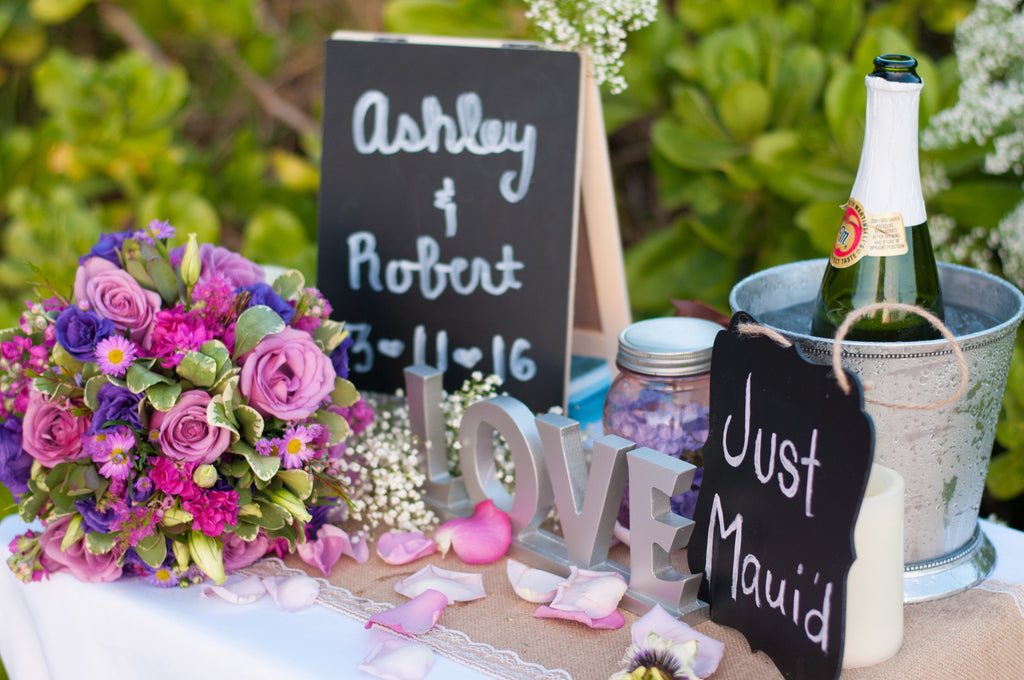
[454, 190]
[786, 465]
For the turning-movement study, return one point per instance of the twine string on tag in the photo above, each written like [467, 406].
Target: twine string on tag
[757, 329]
[844, 380]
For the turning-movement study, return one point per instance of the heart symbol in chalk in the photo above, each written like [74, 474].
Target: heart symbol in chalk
[467, 358]
[391, 348]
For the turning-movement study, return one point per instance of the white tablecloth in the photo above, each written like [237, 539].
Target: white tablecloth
[64, 629]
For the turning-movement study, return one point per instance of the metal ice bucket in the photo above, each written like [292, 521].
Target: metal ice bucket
[942, 453]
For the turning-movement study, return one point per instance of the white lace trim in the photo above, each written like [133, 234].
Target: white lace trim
[454, 644]
[1014, 590]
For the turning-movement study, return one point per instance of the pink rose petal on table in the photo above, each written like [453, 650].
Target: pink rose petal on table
[237, 590]
[664, 625]
[403, 547]
[533, 585]
[613, 621]
[480, 539]
[414, 617]
[329, 545]
[292, 593]
[456, 585]
[595, 593]
[394, 658]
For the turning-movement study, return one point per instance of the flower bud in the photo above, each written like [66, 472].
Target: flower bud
[190, 263]
[290, 502]
[205, 476]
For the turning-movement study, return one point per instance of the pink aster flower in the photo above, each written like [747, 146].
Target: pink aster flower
[115, 455]
[115, 355]
[295, 447]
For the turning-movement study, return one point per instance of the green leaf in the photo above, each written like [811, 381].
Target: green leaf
[218, 351]
[272, 516]
[1006, 475]
[821, 222]
[198, 368]
[981, 203]
[744, 108]
[73, 534]
[247, 531]
[61, 357]
[299, 481]
[163, 396]
[153, 549]
[691, 151]
[337, 425]
[250, 423]
[264, 467]
[253, 325]
[329, 335]
[139, 379]
[288, 284]
[218, 415]
[92, 388]
[345, 393]
[164, 278]
[99, 544]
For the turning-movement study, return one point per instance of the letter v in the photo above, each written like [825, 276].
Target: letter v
[587, 502]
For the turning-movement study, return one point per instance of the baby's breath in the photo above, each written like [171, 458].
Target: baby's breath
[989, 110]
[599, 26]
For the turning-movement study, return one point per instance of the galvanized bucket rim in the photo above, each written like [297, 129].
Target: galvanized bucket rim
[812, 344]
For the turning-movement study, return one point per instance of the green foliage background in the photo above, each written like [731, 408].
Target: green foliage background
[739, 134]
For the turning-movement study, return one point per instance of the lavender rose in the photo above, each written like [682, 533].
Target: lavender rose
[79, 330]
[184, 433]
[239, 554]
[50, 432]
[233, 268]
[112, 293]
[286, 375]
[82, 564]
[15, 464]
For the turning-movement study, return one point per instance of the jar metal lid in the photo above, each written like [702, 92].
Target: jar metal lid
[668, 346]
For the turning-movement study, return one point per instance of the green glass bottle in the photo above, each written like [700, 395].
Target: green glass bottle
[883, 252]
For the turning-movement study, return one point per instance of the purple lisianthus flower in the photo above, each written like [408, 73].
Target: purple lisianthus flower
[263, 294]
[107, 247]
[115, 403]
[232, 268]
[339, 357]
[94, 519]
[79, 330]
[15, 463]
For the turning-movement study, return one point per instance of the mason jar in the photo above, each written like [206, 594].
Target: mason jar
[660, 397]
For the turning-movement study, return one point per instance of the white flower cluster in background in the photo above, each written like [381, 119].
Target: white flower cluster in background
[599, 26]
[990, 110]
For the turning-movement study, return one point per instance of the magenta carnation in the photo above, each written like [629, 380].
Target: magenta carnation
[212, 510]
[177, 332]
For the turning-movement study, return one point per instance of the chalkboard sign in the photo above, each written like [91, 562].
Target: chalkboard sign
[785, 468]
[449, 209]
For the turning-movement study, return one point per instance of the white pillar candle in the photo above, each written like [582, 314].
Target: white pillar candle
[874, 588]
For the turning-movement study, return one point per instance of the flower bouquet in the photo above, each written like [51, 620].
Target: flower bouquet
[174, 418]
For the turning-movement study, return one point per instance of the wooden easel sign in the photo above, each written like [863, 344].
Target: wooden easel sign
[449, 226]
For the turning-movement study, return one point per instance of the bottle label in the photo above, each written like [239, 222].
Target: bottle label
[861, 234]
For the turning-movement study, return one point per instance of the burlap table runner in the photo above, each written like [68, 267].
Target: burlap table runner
[975, 634]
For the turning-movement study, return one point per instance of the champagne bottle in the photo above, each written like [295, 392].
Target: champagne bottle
[883, 252]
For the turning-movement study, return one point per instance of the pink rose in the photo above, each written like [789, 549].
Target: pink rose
[239, 554]
[50, 432]
[112, 293]
[82, 564]
[286, 375]
[186, 435]
[233, 268]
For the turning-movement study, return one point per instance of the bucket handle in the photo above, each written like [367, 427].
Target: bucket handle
[844, 380]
